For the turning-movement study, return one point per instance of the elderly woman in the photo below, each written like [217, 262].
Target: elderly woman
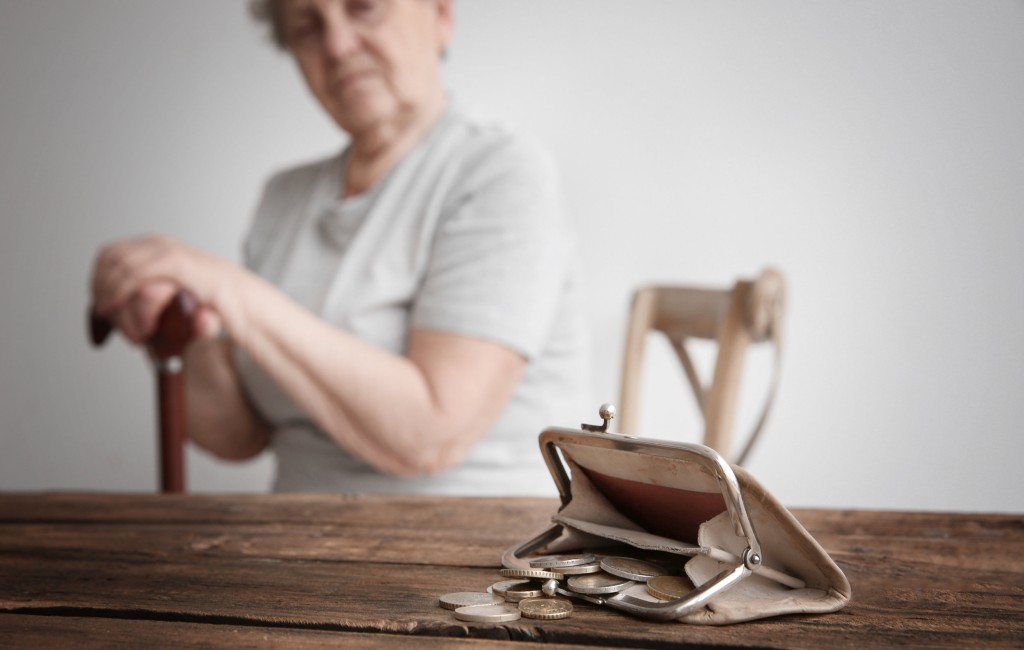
[408, 317]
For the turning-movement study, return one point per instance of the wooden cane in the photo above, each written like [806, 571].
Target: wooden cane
[167, 345]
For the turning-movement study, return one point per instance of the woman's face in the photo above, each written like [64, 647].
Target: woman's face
[369, 62]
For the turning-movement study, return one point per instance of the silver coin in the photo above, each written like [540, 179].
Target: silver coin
[560, 561]
[580, 569]
[631, 568]
[536, 574]
[669, 587]
[464, 598]
[501, 587]
[598, 583]
[597, 599]
[549, 587]
[488, 613]
[546, 609]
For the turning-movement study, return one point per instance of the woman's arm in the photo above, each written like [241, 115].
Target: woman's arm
[405, 415]
[219, 418]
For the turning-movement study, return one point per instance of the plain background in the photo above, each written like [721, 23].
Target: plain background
[872, 150]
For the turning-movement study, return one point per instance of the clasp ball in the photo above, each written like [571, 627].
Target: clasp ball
[607, 411]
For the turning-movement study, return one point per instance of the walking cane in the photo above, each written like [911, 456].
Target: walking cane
[167, 345]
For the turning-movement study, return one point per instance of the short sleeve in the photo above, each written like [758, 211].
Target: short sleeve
[500, 254]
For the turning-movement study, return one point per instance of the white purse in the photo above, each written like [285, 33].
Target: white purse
[748, 557]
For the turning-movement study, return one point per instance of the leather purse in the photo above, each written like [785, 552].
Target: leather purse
[745, 554]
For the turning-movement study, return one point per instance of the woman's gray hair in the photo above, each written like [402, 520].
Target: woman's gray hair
[269, 12]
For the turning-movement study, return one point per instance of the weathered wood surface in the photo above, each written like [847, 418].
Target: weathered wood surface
[323, 567]
[84, 633]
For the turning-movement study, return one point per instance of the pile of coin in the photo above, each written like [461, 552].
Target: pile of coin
[532, 593]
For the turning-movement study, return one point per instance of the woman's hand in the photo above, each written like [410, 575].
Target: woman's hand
[134, 280]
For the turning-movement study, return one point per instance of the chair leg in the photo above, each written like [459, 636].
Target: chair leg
[641, 317]
[721, 398]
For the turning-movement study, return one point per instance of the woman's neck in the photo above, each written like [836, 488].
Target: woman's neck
[373, 153]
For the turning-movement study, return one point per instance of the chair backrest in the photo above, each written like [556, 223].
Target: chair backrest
[750, 311]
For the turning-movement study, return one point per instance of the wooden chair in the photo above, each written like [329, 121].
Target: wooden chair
[750, 311]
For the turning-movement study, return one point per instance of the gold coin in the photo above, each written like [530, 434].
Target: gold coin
[669, 587]
[528, 589]
[535, 574]
[488, 613]
[501, 587]
[598, 583]
[545, 609]
[459, 599]
[631, 569]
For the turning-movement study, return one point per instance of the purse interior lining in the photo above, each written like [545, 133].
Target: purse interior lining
[664, 496]
[658, 509]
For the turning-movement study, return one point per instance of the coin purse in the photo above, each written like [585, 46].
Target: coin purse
[748, 557]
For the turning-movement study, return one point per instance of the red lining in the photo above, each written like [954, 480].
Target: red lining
[665, 511]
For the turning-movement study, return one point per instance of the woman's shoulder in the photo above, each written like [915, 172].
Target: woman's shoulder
[300, 177]
[484, 146]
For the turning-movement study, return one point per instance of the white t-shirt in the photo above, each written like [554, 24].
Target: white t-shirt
[467, 234]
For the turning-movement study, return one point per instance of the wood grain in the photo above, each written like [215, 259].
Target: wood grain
[84, 633]
[375, 566]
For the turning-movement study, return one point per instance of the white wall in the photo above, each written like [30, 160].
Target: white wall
[873, 150]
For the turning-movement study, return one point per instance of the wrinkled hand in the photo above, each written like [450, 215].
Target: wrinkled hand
[134, 280]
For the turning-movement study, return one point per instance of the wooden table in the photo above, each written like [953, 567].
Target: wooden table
[310, 571]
